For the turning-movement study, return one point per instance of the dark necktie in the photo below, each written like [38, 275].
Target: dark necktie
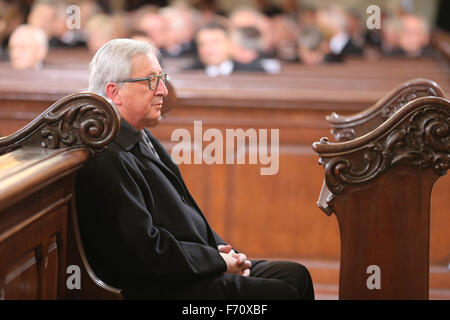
[149, 144]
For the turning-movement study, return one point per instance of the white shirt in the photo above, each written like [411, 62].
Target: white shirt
[223, 69]
[338, 42]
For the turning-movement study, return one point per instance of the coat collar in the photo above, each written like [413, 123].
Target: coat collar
[128, 135]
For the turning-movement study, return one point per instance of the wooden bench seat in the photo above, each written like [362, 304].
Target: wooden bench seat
[39, 236]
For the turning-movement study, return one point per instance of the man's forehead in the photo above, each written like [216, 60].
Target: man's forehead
[145, 64]
[23, 36]
[212, 33]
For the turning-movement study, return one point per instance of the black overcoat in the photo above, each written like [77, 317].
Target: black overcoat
[139, 224]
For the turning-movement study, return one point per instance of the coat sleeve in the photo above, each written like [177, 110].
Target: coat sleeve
[114, 189]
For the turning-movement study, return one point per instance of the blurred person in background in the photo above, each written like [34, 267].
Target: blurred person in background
[181, 22]
[246, 48]
[101, 28]
[192, 21]
[390, 32]
[214, 49]
[10, 18]
[285, 34]
[174, 25]
[414, 36]
[355, 28]
[306, 17]
[28, 47]
[43, 15]
[333, 21]
[248, 17]
[153, 24]
[313, 49]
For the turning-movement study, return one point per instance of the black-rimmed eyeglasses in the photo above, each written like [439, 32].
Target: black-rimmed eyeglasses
[153, 81]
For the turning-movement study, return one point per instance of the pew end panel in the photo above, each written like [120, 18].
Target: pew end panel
[39, 236]
[379, 186]
[345, 128]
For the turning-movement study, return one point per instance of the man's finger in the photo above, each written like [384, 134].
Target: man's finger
[224, 248]
[241, 258]
[248, 264]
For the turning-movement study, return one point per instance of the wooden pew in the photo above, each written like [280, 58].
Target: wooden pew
[379, 187]
[40, 244]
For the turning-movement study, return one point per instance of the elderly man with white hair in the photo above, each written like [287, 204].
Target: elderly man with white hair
[28, 47]
[142, 230]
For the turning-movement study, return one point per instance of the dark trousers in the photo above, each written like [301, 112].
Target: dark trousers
[271, 280]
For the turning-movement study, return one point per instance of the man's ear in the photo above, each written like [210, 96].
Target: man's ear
[112, 92]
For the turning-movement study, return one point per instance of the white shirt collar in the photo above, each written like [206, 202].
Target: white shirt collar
[224, 69]
[338, 42]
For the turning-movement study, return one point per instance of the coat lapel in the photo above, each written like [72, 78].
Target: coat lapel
[171, 170]
[165, 163]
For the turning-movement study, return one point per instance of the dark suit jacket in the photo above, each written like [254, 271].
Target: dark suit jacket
[139, 224]
[254, 66]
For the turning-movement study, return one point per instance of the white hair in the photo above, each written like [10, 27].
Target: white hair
[113, 62]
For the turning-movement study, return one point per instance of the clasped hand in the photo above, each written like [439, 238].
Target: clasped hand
[237, 263]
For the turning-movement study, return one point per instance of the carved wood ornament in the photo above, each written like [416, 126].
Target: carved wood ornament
[418, 134]
[345, 128]
[83, 119]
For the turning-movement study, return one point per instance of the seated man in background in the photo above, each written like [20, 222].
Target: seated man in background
[333, 21]
[43, 15]
[414, 36]
[180, 30]
[390, 31]
[244, 16]
[141, 229]
[153, 24]
[28, 47]
[246, 48]
[100, 28]
[214, 49]
[313, 49]
[10, 18]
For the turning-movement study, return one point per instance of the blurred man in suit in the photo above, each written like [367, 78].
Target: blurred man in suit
[414, 36]
[313, 49]
[141, 228]
[214, 49]
[333, 21]
[246, 49]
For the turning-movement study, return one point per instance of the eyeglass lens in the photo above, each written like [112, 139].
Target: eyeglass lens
[154, 81]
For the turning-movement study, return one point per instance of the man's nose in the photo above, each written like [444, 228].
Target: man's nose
[162, 89]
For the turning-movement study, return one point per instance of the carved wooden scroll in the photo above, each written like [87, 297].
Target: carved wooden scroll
[78, 120]
[345, 128]
[379, 186]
